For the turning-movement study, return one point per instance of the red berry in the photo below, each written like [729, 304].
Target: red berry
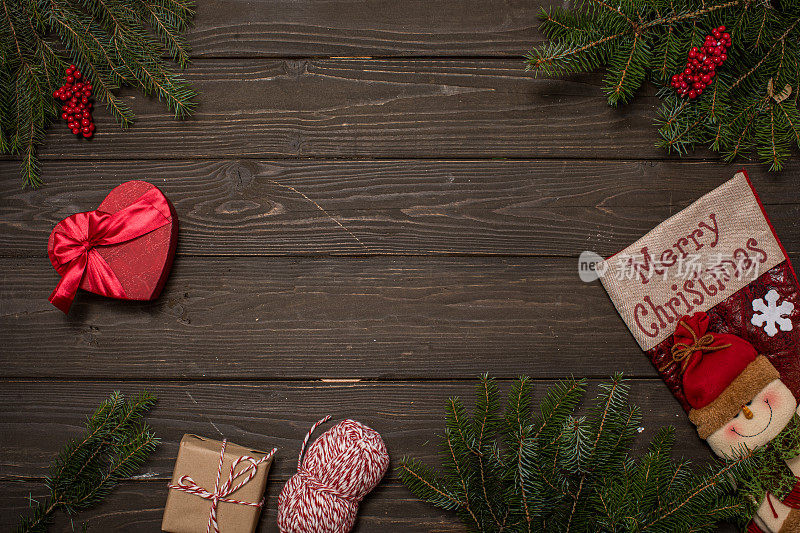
[687, 71]
[84, 100]
[64, 116]
[723, 57]
[721, 28]
[86, 114]
[76, 131]
[73, 67]
[692, 53]
[76, 75]
[692, 94]
[89, 86]
[70, 79]
[87, 135]
[85, 122]
[91, 126]
[699, 91]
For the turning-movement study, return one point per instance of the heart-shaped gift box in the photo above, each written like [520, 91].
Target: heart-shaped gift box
[124, 249]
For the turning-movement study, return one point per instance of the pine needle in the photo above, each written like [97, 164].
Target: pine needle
[516, 472]
[115, 43]
[634, 41]
[115, 444]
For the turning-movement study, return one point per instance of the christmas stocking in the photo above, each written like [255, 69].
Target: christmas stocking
[712, 299]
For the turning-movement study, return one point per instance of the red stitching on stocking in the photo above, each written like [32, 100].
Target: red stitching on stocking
[769, 501]
[793, 498]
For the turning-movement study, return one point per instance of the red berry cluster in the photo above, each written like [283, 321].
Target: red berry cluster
[702, 63]
[77, 108]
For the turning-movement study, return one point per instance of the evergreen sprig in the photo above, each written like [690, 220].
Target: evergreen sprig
[116, 443]
[515, 472]
[752, 104]
[114, 43]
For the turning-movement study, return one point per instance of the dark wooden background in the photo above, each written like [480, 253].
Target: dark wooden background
[377, 203]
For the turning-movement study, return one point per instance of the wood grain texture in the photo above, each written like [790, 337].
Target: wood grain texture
[409, 415]
[307, 318]
[260, 28]
[377, 108]
[137, 507]
[282, 207]
[283, 318]
[403, 218]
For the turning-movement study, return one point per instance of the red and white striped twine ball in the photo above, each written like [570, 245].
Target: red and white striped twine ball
[340, 468]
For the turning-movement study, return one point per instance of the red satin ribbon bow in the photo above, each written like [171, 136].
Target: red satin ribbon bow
[74, 245]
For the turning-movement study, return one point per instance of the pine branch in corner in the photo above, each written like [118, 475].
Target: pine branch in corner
[514, 470]
[751, 107]
[115, 43]
[116, 443]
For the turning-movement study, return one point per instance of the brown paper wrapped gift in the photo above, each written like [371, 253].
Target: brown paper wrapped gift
[199, 475]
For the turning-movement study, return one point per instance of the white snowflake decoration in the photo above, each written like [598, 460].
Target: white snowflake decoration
[768, 314]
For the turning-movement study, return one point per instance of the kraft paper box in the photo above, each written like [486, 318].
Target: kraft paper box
[198, 458]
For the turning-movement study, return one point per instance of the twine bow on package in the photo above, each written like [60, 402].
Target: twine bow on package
[217, 487]
[713, 301]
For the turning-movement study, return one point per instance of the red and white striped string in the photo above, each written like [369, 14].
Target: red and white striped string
[220, 494]
[338, 470]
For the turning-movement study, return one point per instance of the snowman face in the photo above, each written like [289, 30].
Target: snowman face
[770, 410]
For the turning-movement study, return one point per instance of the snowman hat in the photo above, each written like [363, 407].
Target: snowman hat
[721, 372]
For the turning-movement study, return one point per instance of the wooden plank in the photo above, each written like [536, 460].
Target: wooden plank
[374, 317]
[281, 318]
[137, 507]
[37, 417]
[363, 108]
[282, 207]
[40, 416]
[257, 28]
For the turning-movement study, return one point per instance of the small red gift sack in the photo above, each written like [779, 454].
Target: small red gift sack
[123, 249]
[710, 361]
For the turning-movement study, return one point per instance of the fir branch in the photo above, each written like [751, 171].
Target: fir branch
[714, 480]
[693, 15]
[576, 475]
[765, 56]
[635, 41]
[115, 445]
[115, 43]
